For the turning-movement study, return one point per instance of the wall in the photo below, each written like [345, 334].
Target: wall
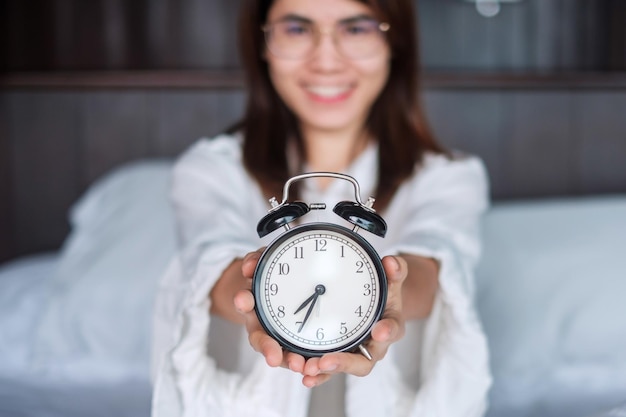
[87, 86]
[541, 35]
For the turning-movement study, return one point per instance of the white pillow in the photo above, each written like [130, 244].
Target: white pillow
[123, 235]
[552, 285]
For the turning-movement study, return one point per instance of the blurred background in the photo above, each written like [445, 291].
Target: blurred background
[537, 88]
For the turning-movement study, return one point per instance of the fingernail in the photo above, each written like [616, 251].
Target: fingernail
[387, 334]
[396, 263]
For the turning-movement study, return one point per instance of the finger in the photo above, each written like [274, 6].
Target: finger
[350, 363]
[294, 362]
[314, 381]
[244, 302]
[257, 337]
[341, 362]
[249, 263]
[268, 347]
[396, 269]
[387, 330]
[311, 367]
[317, 372]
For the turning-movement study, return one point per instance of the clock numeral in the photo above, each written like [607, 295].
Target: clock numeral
[299, 252]
[281, 312]
[359, 312]
[298, 324]
[273, 289]
[320, 245]
[320, 334]
[283, 269]
[343, 329]
[343, 254]
[367, 290]
[359, 267]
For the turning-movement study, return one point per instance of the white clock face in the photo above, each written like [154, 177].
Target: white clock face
[319, 288]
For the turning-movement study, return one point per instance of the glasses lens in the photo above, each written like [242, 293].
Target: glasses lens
[357, 38]
[360, 38]
[290, 39]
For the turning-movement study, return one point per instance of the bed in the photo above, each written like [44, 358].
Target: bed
[74, 323]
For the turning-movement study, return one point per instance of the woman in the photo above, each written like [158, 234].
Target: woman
[332, 87]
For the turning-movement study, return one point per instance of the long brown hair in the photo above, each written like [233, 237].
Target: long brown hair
[396, 118]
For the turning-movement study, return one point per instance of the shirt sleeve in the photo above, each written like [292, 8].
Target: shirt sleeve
[440, 367]
[214, 204]
[442, 212]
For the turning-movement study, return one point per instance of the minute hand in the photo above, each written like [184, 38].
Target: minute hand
[319, 290]
[308, 312]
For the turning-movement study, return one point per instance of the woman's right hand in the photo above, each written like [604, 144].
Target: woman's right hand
[257, 336]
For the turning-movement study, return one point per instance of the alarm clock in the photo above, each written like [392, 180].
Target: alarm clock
[319, 287]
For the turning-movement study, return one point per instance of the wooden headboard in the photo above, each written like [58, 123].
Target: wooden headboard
[539, 137]
[87, 87]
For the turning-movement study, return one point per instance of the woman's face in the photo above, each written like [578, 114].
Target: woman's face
[326, 90]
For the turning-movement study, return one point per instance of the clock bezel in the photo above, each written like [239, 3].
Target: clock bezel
[266, 256]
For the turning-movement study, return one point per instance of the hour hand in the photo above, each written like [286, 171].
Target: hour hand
[307, 301]
[319, 290]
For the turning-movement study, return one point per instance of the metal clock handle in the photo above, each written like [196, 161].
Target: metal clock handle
[357, 189]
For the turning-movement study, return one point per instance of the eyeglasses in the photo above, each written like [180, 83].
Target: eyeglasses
[297, 38]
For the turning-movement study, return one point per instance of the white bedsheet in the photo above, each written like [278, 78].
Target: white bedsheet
[23, 290]
[26, 390]
[551, 290]
[30, 396]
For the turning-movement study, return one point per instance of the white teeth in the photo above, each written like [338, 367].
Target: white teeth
[327, 91]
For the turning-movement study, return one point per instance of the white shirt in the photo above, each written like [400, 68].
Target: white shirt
[203, 366]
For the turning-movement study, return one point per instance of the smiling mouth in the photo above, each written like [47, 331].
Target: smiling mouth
[329, 92]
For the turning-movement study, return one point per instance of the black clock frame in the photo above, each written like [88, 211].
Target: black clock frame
[258, 293]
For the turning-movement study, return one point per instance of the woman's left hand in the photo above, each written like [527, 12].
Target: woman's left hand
[389, 329]
[316, 371]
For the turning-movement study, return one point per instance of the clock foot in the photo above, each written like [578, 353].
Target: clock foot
[365, 352]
